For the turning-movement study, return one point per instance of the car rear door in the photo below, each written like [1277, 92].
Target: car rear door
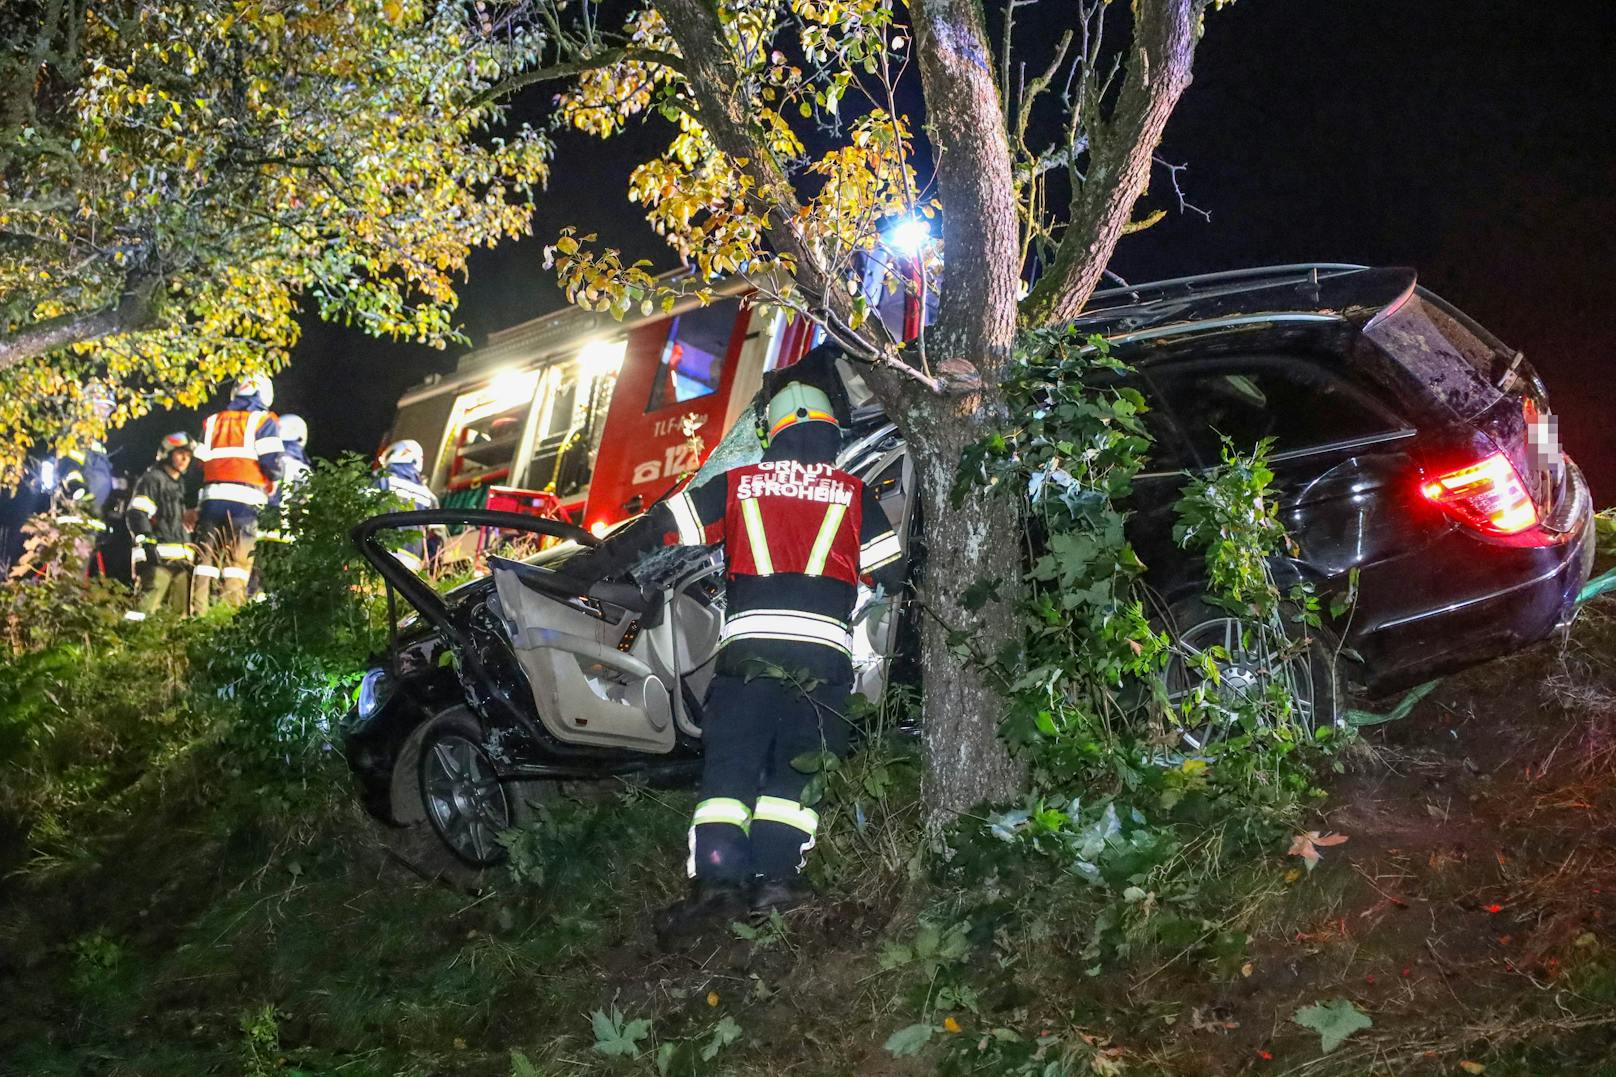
[1343, 471]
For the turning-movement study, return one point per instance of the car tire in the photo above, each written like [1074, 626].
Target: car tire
[452, 803]
[1193, 625]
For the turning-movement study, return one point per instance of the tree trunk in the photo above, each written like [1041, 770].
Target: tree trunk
[969, 346]
[967, 762]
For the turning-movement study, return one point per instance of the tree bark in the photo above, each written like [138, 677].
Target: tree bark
[966, 761]
[135, 309]
[969, 346]
[976, 315]
[1120, 154]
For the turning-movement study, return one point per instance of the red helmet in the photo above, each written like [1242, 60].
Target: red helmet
[174, 443]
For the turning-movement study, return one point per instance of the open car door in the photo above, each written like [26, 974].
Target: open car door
[604, 668]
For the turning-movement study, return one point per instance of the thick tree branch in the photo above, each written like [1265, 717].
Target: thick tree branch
[1121, 150]
[135, 309]
[728, 117]
[604, 58]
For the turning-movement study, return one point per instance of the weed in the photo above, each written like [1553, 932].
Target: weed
[260, 1040]
[96, 958]
[615, 1037]
[692, 1056]
[765, 936]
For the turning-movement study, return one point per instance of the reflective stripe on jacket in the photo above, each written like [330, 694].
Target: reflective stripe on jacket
[84, 477]
[237, 444]
[156, 510]
[417, 493]
[812, 530]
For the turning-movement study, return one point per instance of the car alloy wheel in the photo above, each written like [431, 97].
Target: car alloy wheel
[464, 799]
[1250, 659]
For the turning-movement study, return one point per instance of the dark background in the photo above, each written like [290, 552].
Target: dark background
[1473, 141]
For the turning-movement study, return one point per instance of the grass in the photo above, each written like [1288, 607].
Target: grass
[1467, 916]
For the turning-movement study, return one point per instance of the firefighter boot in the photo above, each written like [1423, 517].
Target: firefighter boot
[711, 903]
[779, 895]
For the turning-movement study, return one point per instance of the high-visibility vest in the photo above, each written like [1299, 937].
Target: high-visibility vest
[231, 446]
[786, 516]
[815, 528]
[416, 493]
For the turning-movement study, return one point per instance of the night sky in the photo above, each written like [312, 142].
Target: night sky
[1475, 142]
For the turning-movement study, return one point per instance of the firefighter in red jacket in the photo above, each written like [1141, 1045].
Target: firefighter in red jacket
[241, 459]
[798, 536]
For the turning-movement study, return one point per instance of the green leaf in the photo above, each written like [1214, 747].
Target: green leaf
[1334, 1021]
[521, 1065]
[895, 955]
[909, 1040]
[616, 1039]
[725, 1033]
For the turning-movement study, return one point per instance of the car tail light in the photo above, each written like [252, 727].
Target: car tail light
[1488, 496]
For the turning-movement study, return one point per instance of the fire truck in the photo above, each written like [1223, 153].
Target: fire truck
[586, 419]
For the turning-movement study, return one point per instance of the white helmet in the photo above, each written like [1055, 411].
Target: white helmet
[257, 385]
[293, 428]
[100, 398]
[408, 451]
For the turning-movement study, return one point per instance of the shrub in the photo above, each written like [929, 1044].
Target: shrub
[94, 709]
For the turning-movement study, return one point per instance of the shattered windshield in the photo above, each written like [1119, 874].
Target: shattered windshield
[737, 447]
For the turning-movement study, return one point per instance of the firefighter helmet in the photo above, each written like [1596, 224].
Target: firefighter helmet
[293, 428]
[794, 403]
[100, 399]
[257, 385]
[175, 442]
[813, 383]
[408, 451]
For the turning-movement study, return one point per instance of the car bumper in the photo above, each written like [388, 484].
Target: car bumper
[1532, 593]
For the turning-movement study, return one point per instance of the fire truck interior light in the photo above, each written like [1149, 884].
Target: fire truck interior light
[602, 358]
[510, 386]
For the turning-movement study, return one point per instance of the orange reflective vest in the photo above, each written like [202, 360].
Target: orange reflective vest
[232, 442]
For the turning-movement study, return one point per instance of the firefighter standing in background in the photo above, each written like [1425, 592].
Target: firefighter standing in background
[401, 476]
[83, 485]
[241, 459]
[82, 482]
[155, 517]
[798, 535]
[295, 464]
[295, 468]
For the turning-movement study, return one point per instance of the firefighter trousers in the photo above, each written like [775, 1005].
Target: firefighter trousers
[226, 545]
[164, 583]
[750, 820]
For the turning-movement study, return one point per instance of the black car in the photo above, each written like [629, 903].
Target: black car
[1413, 453]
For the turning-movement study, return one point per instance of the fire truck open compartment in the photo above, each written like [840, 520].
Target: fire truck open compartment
[590, 419]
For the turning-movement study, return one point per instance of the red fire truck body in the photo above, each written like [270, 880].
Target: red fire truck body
[591, 420]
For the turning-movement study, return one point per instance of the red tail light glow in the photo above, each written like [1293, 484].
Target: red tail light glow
[1488, 496]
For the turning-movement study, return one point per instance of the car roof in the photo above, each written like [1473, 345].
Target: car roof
[1315, 293]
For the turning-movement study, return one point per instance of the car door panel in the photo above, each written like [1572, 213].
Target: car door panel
[587, 691]
[1347, 511]
[1343, 473]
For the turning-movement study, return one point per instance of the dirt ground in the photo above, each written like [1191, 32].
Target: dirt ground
[1468, 913]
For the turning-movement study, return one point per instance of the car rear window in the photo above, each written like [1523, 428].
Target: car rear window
[1293, 400]
[1452, 358]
